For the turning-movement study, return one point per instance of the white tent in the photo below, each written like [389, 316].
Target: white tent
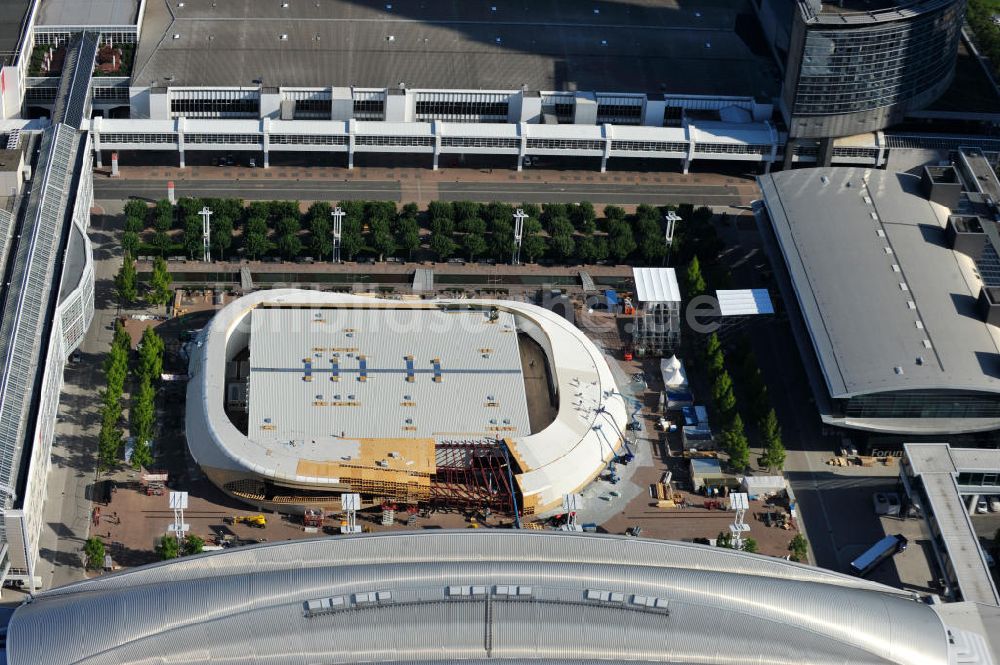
[674, 376]
[763, 485]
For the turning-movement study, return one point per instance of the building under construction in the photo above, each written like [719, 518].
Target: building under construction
[298, 397]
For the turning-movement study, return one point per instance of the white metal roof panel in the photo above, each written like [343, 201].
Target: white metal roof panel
[750, 133]
[656, 285]
[372, 353]
[744, 302]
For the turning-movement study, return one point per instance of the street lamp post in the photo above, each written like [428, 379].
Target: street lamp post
[672, 218]
[519, 217]
[338, 225]
[206, 234]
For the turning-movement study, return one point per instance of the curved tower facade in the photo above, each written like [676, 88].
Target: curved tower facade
[858, 66]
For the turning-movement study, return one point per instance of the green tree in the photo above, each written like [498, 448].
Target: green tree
[613, 214]
[621, 241]
[290, 246]
[586, 248]
[693, 280]
[109, 446]
[474, 245]
[163, 215]
[151, 355]
[584, 217]
[734, 441]
[160, 281]
[320, 238]
[715, 362]
[167, 547]
[408, 235]
[193, 544]
[562, 246]
[442, 245]
[502, 240]
[799, 547]
[774, 449]
[130, 242]
[256, 243]
[93, 551]
[440, 211]
[724, 539]
[222, 234]
[125, 287]
[352, 239]
[142, 455]
[750, 546]
[722, 394]
[712, 345]
[383, 240]
[193, 241]
[533, 247]
[161, 241]
[136, 209]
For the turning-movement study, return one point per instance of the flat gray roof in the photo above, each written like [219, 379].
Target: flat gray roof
[937, 464]
[636, 46]
[12, 14]
[88, 12]
[877, 284]
[320, 379]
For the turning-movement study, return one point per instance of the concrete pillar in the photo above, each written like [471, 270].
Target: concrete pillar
[525, 106]
[973, 500]
[180, 139]
[97, 158]
[607, 132]
[396, 103]
[689, 134]
[653, 110]
[585, 108]
[266, 140]
[114, 164]
[436, 131]
[522, 148]
[171, 195]
[341, 104]
[95, 135]
[270, 102]
[352, 125]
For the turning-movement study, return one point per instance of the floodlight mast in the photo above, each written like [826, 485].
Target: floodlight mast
[338, 226]
[519, 217]
[672, 218]
[206, 234]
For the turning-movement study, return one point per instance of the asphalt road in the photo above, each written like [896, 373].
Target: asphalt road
[515, 192]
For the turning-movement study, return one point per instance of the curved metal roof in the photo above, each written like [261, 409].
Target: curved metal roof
[555, 461]
[476, 595]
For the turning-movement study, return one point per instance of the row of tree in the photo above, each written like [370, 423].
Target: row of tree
[697, 244]
[158, 291]
[149, 366]
[142, 415]
[560, 232]
[109, 441]
[981, 15]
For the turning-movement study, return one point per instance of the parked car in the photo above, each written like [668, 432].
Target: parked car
[995, 503]
[886, 503]
[981, 507]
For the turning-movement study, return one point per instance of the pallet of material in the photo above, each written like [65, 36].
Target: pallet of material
[661, 491]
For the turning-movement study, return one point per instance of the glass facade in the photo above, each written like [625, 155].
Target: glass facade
[923, 404]
[874, 71]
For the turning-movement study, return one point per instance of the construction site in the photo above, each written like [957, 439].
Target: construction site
[299, 397]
